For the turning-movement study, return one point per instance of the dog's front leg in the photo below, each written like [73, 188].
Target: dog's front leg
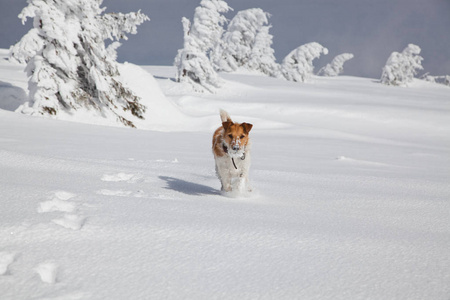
[244, 183]
[226, 182]
[224, 176]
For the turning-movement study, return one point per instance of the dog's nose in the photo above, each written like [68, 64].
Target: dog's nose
[236, 147]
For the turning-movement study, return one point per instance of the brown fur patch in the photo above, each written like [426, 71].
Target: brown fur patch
[231, 134]
[218, 141]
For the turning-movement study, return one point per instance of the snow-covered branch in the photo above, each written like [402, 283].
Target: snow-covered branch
[336, 66]
[298, 65]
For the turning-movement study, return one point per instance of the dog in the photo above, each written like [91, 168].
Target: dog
[231, 149]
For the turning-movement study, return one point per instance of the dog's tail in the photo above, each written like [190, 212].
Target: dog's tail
[225, 116]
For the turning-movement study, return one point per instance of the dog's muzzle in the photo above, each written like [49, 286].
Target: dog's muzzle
[235, 151]
[236, 145]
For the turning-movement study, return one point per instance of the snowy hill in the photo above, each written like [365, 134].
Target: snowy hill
[351, 196]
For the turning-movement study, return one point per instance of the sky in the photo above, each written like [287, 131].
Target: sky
[369, 29]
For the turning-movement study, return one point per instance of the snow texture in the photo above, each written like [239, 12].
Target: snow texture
[70, 221]
[350, 195]
[55, 205]
[47, 271]
[6, 259]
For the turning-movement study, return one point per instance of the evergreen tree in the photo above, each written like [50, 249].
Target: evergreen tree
[68, 64]
[400, 68]
[247, 44]
[298, 64]
[200, 37]
[262, 57]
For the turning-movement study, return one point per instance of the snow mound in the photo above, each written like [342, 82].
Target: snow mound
[47, 271]
[11, 96]
[161, 114]
[6, 259]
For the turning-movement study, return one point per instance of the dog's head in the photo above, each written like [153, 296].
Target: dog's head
[236, 135]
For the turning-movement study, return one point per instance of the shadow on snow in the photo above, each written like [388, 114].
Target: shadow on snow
[11, 97]
[189, 188]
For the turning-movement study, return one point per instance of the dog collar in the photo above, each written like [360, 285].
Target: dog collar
[225, 149]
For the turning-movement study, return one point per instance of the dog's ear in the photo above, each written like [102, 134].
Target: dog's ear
[227, 124]
[247, 127]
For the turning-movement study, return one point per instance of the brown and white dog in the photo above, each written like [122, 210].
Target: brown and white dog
[231, 148]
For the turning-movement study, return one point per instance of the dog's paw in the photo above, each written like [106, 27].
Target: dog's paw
[226, 188]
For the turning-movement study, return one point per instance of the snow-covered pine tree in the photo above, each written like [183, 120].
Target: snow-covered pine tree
[68, 64]
[336, 66]
[247, 44]
[400, 68]
[298, 65]
[192, 61]
[193, 66]
[262, 57]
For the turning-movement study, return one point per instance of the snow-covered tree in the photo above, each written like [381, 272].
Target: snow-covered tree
[445, 79]
[401, 67]
[68, 64]
[298, 65]
[193, 66]
[200, 37]
[262, 57]
[247, 44]
[336, 66]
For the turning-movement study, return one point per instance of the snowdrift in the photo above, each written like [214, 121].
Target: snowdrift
[161, 115]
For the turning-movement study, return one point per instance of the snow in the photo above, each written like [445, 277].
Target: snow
[47, 272]
[5, 260]
[351, 199]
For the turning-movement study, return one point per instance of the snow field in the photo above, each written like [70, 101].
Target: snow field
[350, 202]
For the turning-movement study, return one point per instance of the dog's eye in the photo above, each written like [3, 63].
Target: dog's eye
[230, 136]
[242, 136]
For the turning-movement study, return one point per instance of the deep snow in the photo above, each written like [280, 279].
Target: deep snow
[351, 202]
